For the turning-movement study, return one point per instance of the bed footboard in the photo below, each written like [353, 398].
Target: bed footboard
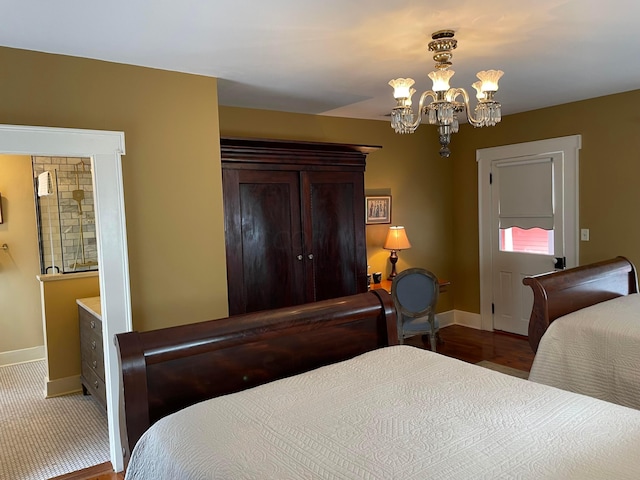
[169, 369]
[559, 293]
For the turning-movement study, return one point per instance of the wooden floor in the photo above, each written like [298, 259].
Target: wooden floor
[104, 471]
[473, 346]
[459, 342]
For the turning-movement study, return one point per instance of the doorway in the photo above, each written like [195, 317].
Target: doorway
[105, 150]
[528, 223]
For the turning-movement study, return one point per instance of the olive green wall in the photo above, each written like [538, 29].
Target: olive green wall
[173, 194]
[407, 167]
[609, 175]
[171, 170]
[20, 311]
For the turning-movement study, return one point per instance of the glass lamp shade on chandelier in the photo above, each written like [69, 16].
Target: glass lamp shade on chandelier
[396, 240]
[446, 102]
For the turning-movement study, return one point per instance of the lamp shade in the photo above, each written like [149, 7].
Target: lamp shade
[402, 87]
[489, 79]
[441, 80]
[396, 239]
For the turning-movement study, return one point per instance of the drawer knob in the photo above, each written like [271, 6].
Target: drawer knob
[95, 364]
[95, 384]
[93, 324]
[93, 344]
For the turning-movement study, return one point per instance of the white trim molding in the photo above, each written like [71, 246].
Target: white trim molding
[445, 318]
[23, 355]
[105, 150]
[62, 386]
[467, 319]
[459, 317]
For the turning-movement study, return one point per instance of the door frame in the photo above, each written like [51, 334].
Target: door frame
[105, 149]
[569, 147]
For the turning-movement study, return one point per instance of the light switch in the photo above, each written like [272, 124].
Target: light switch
[584, 234]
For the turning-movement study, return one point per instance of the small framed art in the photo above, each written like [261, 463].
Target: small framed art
[378, 209]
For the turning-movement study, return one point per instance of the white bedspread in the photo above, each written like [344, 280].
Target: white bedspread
[395, 413]
[594, 351]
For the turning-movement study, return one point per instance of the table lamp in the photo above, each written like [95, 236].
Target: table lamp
[396, 240]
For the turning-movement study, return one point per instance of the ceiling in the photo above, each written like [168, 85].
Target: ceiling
[335, 57]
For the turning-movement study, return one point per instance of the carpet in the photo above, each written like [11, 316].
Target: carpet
[514, 372]
[43, 438]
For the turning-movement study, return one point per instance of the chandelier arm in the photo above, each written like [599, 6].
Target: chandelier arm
[418, 119]
[423, 97]
[451, 96]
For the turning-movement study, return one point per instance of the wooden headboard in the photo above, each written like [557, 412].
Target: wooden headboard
[559, 293]
[169, 369]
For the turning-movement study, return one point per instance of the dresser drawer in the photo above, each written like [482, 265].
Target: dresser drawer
[92, 354]
[91, 351]
[94, 384]
[89, 322]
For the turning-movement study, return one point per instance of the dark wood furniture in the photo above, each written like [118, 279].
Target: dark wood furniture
[294, 222]
[166, 370]
[91, 349]
[559, 293]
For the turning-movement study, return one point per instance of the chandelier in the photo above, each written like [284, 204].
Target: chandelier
[445, 106]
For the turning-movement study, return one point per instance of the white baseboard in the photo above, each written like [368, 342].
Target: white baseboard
[468, 319]
[62, 386]
[459, 317]
[446, 318]
[22, 356]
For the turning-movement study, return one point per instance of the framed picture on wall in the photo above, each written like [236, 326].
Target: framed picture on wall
[378, 209]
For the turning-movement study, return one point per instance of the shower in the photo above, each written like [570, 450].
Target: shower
[66, 215]
[78, 196]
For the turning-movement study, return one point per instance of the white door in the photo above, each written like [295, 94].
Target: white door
[528, 224]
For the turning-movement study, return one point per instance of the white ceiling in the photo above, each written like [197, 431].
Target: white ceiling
[335, 57]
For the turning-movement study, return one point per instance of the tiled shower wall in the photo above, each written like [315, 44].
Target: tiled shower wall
[67, 217]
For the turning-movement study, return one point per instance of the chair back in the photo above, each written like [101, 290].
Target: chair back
[415, 292]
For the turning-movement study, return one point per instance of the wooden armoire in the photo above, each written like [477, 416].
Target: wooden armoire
[294, 222]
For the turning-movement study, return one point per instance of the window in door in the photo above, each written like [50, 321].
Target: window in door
[532, 240]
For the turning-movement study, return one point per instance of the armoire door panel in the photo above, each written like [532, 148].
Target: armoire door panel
[266, 237]
[334, 232]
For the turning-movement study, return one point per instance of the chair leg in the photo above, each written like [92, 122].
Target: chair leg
[431, 340]
[434, 334]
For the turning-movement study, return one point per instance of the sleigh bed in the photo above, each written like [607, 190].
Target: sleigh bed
[169, 369]
[560, 293]
[323, 391]
[585, 330]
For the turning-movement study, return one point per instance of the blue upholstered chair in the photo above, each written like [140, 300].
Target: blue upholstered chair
[415, 294]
